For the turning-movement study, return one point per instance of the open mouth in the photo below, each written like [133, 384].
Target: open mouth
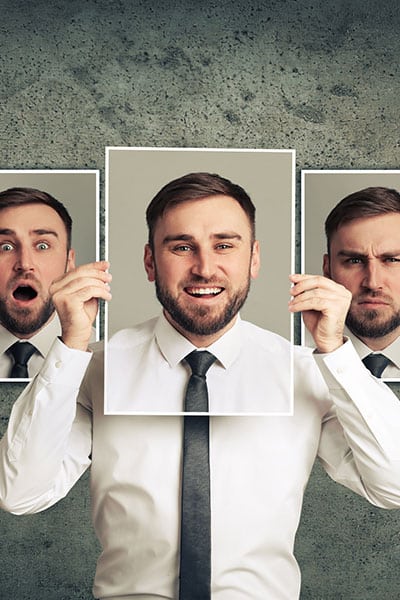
[24, 293]
[204, 292]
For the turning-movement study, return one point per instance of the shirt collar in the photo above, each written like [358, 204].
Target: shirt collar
[174, 346]
[392, 351]
[41, 340]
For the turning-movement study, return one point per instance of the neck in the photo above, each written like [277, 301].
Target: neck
[200, 341]
[380, 343]
[27, 336]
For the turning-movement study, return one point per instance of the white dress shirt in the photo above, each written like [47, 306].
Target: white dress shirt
[259, 469]
[156, 379]
[392, 371]
[42, 340]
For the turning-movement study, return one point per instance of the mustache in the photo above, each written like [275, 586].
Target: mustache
[196, 280]
[23, 278]
[372, 295]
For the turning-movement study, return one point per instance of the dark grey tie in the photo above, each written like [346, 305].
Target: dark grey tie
[21, 353]
[376, 363]
[195, 564]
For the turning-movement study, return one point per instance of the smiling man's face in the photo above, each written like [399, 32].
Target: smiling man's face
[202, 263]
[33, 252]
[365, 258]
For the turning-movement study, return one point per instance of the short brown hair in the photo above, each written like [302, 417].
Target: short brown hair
[369, 202]
[18, 196]
[195, 186]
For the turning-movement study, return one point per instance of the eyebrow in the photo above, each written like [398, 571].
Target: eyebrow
[355, 254]
[7, 231]
[185, 237]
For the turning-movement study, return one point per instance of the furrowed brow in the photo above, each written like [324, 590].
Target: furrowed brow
[390, 253]
[351, 254]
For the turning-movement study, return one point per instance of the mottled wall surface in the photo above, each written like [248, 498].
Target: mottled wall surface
[320, 77]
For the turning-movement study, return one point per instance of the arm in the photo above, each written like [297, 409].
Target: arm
[359, 444]
[47, 444]
[48, 441]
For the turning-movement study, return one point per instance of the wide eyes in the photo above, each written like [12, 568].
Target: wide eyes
[6, 247]
[9, 247]
[43, 246]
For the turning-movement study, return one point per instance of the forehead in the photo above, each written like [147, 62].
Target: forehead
[29, 218]
[205, 215]
[379, 231]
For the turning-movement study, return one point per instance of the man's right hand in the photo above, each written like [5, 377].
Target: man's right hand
[75, 296]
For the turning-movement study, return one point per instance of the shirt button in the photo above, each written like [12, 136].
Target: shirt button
[58, 364]
[340, 370]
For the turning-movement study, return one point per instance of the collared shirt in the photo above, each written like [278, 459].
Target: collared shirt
[42, 340]
[145, 372]
[259, 469]
[392, 371]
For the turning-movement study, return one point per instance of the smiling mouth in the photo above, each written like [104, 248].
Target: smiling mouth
[24, 293]
[202, 292]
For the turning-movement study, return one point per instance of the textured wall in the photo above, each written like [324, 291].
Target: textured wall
[320, 77]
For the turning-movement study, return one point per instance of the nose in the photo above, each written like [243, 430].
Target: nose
[203, 264]
[24, 259]
[372, 275]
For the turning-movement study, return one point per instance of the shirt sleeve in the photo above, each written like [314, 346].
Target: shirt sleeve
[359, 444]
[47, 445]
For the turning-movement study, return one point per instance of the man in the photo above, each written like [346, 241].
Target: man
[364, 255]
[259, 466]
[202, 257]
[35, 249]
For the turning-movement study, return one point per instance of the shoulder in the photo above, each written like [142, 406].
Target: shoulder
[265, 339]
[133, 336]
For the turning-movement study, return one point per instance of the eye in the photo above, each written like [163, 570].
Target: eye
[224, 246]
[354, 260]
[182, 248]
[6, 247]
[392, 259]
[42, 246]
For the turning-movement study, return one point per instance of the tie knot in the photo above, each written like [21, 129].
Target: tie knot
[21, 352]
[200, 361]
[376, 363]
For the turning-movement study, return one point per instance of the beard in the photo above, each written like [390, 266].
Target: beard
[202, 320]
[369, 325]
[23, 322]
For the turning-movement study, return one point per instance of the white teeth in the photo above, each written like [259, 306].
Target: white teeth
[204, 291]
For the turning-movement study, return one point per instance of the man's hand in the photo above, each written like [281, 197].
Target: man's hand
[75, 296]
[324, 304]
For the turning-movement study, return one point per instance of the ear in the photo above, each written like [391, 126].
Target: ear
[326, 266]
[70, 260]
[255, 260]
[149, 263]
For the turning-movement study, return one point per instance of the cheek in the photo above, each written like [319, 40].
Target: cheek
[50, 268]
[168, 275]
[350, 279]
[6, 269]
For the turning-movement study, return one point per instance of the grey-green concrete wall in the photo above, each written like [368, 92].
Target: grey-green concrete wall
[321, 77]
